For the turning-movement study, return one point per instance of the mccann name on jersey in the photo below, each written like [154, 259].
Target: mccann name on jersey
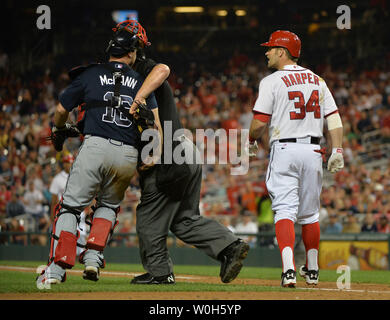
[126, 81]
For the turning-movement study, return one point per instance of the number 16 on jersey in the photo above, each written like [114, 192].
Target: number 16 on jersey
[113, 115]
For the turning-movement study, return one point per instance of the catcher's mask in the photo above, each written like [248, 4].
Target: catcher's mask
[128, 36]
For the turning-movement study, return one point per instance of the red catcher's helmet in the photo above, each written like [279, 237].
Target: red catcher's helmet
[68, 158]
[285, 39]
[134, 27]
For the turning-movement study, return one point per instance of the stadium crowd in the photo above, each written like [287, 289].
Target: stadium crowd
[357, 199]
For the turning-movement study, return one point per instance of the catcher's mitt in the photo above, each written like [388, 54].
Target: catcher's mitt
[59, 135]
[144, 117]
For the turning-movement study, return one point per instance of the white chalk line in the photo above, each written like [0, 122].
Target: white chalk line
[113, 273]
[188, 278]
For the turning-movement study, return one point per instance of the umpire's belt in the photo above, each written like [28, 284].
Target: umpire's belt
[307, 140]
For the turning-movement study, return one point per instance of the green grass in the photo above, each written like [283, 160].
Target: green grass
[19, 282]
[24, 282]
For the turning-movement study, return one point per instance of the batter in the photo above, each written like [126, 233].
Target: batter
[295, 102]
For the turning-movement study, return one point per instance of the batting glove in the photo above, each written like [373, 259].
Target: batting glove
[253, 148]
[336, 160]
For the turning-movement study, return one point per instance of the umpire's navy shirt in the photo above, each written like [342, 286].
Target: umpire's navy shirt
[97, 83]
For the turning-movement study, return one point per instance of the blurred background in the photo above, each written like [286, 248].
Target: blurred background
[212, 48]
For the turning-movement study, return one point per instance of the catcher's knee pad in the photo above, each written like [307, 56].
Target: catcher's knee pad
[103, 224]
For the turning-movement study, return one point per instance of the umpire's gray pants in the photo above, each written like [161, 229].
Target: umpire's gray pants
[157, 214]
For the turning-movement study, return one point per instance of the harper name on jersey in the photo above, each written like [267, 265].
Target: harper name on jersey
[300, 78]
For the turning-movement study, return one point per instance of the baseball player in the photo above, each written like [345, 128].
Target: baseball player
[107, 159]
[57, 188]
[170, 198]
[293, 101]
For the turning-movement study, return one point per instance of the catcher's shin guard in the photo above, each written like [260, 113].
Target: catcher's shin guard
[98, 236]
[103, 224]
[65, 253]
[64, 237]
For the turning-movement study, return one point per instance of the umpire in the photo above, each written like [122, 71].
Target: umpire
[170, 195]
[107, 159]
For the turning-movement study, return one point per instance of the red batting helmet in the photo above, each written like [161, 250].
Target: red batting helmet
[68, 158]
[285, 39]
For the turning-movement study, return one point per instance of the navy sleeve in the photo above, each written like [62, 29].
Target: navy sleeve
[151, 102]
[73, 95]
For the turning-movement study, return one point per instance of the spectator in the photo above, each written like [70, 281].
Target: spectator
[44, 145]
[5, 197]
[351, 225]
[334, 226]
[226, 221]
[34, 174]
[369, 224]
[32, 200]
[265, 220]
[6, 175]
[16, 226]
[246, 117]
[247, 198]
[3, 228]
[15, 207]
[128, 241]
[265, 217]
[248, 226]
[383, 225]
[364, 123]
[57, 185]
[43, 228]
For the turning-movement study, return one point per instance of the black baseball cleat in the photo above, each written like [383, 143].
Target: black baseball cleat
[311, 276]
[289, 279]
[147, 278]
[231, 260]
[91, 273]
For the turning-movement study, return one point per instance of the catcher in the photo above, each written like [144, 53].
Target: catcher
[107, 159]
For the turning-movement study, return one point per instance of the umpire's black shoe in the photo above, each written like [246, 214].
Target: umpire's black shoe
[231, 260]
[147, 278]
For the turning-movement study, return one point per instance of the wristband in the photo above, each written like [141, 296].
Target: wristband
[337, 150]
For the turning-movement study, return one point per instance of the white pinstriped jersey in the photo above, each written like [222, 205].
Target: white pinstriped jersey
[297, 100]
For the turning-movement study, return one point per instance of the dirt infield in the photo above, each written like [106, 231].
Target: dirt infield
[324, 291]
